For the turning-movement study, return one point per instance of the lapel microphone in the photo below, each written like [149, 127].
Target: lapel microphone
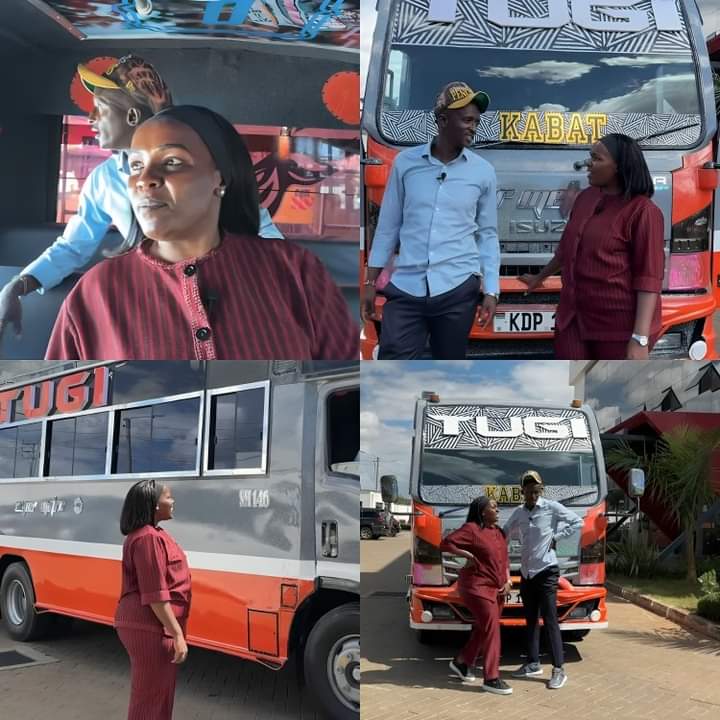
[441, 177]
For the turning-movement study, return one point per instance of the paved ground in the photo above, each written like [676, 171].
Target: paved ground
[641, 667]
[90, 680]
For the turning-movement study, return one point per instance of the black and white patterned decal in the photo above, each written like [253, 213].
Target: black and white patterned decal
[507, 419]
[473, 29]
[415, 127]
[465, 494]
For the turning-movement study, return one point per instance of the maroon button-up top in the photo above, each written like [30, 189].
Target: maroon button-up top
[154, 569]
[488, 576]
[611, 249]
[247, 299]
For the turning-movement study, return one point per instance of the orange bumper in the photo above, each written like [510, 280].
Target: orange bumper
[575, 603]
[676, 310]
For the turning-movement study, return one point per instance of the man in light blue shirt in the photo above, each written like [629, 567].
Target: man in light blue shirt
[541, 524]
[124, 96]
[439, 212]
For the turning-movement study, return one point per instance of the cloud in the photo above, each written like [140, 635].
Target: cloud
[637, 60]
[552, 72]
[671, 89]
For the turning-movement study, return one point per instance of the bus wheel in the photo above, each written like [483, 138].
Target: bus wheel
[17, 604]
[332, 662]
[574, 635]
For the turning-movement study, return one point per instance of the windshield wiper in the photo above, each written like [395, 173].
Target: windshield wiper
[668, 132]
[579, 495]
[451, 511]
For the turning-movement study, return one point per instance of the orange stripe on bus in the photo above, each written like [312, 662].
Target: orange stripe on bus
[89, 588]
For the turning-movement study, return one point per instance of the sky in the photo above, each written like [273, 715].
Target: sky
[389, 390]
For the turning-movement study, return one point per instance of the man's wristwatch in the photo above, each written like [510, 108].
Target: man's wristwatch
[492, 295]
[641, 340]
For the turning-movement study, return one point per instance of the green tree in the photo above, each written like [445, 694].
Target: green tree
[678, 475]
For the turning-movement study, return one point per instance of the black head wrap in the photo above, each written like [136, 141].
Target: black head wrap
[213, 131]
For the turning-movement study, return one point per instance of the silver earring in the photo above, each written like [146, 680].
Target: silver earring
[133, 117]
[221, 191]
[157, 507]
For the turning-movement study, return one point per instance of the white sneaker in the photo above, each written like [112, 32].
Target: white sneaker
[558, 679]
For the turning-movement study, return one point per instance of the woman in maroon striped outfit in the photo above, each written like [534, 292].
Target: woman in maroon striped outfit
[482, 584]
[611, 255]
[194, 280]
[154, 605]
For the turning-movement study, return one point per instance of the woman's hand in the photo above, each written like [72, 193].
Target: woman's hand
[507, 587]
[181, 650]
[635, 351]
[532, 281]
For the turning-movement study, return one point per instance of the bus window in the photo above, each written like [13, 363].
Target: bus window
[77, 445]
[20, 451]
[160, 438]
[343, 436]
[309, 183]
[238, 428]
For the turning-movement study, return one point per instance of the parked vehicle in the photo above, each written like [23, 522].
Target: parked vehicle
[374, 524]
[466, 448]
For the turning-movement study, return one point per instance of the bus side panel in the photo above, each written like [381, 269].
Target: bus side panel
[223, 605]
[61, 583]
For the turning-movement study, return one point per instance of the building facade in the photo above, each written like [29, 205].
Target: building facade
[617, 390]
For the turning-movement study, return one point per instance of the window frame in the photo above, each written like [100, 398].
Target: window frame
[41, 463]
[327, 431]
[230, 390]
[194, 472]
[112, 412]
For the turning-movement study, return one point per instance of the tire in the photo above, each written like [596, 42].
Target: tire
[574, 635]
[366, 533]
[332, 663]
[17, 605]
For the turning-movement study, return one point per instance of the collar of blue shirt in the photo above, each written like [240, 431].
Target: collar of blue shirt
[427, 153]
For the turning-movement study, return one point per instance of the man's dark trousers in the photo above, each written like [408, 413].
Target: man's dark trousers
[539, 596]
[447, 318]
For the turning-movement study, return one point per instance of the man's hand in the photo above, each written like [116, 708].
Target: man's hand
[10, 307]
[487, 310]
[635, 351]
[367, 307]
[532, 281]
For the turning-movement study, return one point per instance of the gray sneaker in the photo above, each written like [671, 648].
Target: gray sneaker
[558, 679]
[528, 670]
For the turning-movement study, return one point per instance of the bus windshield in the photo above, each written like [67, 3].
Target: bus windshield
[458, 476]
[542, 97]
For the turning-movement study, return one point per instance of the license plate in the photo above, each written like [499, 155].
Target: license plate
[524, 321]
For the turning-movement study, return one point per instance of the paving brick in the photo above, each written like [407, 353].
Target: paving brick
[91, 681]
[643, 667]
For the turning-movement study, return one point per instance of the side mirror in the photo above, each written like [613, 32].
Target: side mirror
[636, 486]
[389, 488]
